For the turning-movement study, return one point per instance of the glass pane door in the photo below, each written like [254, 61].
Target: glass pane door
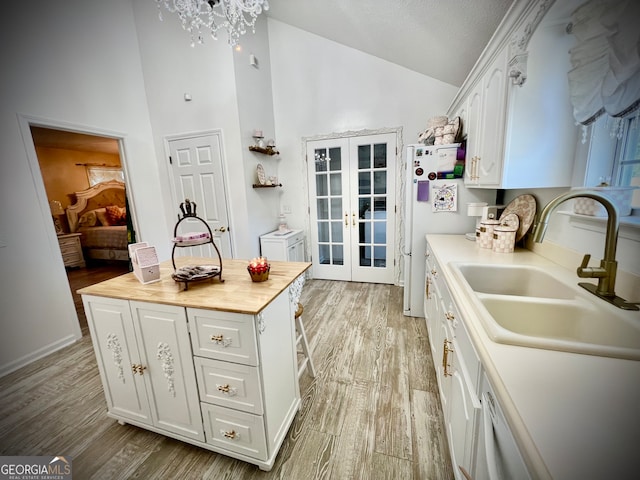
[352, 207]
[373, 162]
[328, 185]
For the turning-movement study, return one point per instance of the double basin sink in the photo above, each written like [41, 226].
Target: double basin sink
[526, 305]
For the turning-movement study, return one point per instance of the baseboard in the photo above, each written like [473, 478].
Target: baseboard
[11, 367]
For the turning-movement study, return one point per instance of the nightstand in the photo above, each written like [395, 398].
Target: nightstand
[71, 250]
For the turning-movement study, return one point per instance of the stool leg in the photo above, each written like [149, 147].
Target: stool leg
[302, 339]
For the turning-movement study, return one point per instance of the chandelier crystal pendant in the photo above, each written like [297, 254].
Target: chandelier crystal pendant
[235, 16]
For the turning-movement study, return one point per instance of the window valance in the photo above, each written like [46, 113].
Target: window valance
[605, 62]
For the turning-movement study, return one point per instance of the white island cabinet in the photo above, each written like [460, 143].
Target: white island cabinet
[145, 363]
[214, 365]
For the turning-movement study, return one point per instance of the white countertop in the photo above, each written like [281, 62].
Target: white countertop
[574, 416]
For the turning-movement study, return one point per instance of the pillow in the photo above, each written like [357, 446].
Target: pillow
[116, 215]
[88, 219]
[101, 213]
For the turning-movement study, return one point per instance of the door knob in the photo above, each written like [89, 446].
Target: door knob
[221, 229]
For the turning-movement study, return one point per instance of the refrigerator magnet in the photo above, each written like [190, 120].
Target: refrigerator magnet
[423, 191]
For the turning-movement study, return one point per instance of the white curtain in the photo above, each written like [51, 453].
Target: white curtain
[605, 74]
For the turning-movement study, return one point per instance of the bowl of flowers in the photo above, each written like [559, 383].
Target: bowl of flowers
[258, 269]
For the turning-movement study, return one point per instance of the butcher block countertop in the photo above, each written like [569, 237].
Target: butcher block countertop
[237, 294]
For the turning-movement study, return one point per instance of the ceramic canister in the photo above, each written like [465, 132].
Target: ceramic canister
[504, 238]
[484, 237]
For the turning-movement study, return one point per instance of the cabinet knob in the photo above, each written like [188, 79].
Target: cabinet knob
[227, 390]
[138, 369]
[220, 340]
[233, 435]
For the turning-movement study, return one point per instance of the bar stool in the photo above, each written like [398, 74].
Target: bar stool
[301, 339]
[295, 291]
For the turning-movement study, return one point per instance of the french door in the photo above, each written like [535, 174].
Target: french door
[352, 206]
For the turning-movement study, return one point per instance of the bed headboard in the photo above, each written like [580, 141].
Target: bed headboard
[100, 195]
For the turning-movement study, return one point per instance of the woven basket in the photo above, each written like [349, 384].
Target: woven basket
[259, 277]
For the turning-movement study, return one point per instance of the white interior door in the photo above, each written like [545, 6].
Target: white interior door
[352, 205]
[197, 174]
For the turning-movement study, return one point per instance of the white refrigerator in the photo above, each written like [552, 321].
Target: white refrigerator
[436, 202]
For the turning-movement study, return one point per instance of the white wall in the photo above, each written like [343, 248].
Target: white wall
[74, 63]
[172, 68]
[584, 238]
[255, 105]
[321, 87]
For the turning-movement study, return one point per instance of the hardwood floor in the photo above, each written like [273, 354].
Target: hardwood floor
[372, 412]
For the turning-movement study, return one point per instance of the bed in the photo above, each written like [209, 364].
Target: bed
[99, 213]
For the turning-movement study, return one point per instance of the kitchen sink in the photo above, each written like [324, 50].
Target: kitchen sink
[572, 326]
[522, 280]
[527, 306]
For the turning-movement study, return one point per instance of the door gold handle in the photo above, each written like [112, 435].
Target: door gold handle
[353, 219]
[346, 219]
[221, 229]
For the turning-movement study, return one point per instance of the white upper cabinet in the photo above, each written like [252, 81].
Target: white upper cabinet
[515, 106]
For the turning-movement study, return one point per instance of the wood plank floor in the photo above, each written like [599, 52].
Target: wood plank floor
[372, 412]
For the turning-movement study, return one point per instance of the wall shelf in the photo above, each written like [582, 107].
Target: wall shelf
[264, 150]
[257, 185]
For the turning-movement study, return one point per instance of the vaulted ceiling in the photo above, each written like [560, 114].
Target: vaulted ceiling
[439, 38]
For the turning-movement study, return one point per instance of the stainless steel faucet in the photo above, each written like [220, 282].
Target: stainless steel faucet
[606, 272]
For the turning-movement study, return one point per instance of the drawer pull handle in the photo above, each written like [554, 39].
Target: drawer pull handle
[227, 390]
[137, 368]
[445, 357]
[233, 435]
[220, 340]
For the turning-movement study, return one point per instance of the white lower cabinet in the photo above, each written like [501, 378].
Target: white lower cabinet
[286, 247]
[480, 442]
[223, 381]
[237, 431]
[144, 357]
[454, 361]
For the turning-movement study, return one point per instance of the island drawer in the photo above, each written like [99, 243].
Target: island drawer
[229, 385]
[223, 336]
[236, 431]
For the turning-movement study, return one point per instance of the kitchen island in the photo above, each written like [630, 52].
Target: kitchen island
[572, 415]
[214, 365]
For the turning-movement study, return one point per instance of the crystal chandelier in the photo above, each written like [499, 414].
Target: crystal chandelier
[202, 15]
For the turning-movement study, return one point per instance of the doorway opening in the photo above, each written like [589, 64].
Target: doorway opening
[72, 162]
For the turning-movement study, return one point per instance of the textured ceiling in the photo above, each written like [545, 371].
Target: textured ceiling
[439, 38]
